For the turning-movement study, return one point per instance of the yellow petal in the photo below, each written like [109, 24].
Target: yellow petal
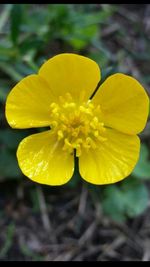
[124, 103]
[28, 103]
[41, 158]
[112, 161]
[71, 73]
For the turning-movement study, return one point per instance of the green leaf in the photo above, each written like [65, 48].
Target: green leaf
[142, 169]
[6, 52]
[9, 70]
[81, 37]
[129, 199]
[136, 197]
[31, 44]
[15, 20]
[4, 16]
[113, 203]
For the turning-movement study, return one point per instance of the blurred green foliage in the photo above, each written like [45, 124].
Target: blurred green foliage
[29, 34]
[9, 239]
[129, 199]
[142, 169]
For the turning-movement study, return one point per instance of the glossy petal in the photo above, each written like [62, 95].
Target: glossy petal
[28, 103]
[71, 73]
[124, 103]
[41, 158]
[112, 161]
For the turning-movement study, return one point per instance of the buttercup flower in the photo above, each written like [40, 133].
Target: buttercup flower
[102, 130]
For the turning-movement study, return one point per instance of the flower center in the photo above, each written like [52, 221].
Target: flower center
[77, 126]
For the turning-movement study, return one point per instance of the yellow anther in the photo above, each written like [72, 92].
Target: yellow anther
[90, 105]
[67, 143]
[79, 141]
[81, 108]
[78, 150]
[60, 135]
[69, 105]
[96, 133]
[85, 110]
[54, 105]
[93, 124]
[54, 124]
[75, 132]
[64, 127]
[95, 120]
[67, 146]
[55, 110]
[88, 140]
[63, 118]
[77, 126]
[72, 104]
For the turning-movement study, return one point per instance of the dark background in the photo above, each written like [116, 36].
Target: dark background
[77, 221]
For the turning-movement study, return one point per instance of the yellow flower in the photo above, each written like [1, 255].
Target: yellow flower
[102, 130]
